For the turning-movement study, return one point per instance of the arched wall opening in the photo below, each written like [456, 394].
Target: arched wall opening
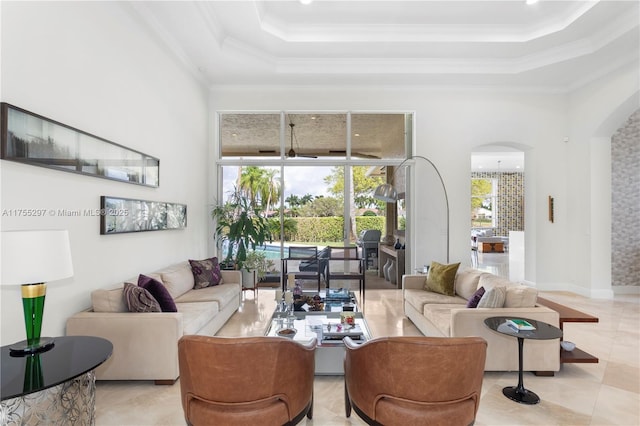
[498, 202]
[615, 202]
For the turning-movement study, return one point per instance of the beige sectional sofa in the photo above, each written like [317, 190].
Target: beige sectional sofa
[145, 345]
[440, 315]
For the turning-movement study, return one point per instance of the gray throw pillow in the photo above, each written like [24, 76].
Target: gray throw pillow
[493, 298]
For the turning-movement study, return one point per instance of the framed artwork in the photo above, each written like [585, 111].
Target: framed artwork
[120, 215]
[33, 139]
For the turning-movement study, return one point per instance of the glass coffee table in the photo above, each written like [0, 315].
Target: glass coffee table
[331, 300]
[328, 329]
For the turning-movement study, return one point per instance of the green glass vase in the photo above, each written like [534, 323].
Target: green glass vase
[33, 296]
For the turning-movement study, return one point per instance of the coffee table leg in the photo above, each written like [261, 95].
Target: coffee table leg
[519, 393]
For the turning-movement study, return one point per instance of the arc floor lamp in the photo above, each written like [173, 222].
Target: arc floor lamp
[388, 193]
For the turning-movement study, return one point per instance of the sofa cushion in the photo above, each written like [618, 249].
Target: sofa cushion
[475, 299]
[222, 294]
[110, 300]
[440, 316]
[441, 278]
[196, 315]
[493, 298]
[178, 279]
[159, 292]
[466, 283]
[139, 300]
[419, 298]
[488, 281]
[206, 273]
[520, 296]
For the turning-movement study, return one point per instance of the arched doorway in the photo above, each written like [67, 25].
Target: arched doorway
[497, 214]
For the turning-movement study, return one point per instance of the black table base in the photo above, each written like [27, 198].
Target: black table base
[522, 396]
[541, 331]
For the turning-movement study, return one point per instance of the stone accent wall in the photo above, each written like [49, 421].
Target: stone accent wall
[509, 211]
[625, 203]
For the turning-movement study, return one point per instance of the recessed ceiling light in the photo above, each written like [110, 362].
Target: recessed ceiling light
[356, 134]
[528, 1]
[305, 1]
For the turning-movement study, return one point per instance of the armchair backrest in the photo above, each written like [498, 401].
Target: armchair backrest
[398, 380]
[343, 253]
[303, 252]
[245, 380]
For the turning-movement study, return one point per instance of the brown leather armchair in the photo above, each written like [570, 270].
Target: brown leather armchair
[414, 380]
[245, 380]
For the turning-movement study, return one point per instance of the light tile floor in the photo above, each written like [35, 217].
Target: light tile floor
[607, 393]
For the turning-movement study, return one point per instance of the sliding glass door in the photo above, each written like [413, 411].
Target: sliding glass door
[311, 175]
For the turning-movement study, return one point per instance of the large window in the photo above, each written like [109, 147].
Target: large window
[309, 174]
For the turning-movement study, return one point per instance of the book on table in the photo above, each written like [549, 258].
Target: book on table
[520, 324]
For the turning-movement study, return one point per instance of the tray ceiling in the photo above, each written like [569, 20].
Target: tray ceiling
[551, 45]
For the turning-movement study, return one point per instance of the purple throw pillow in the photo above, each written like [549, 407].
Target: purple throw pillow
[206, 273]
[475, 299]
[159, 292]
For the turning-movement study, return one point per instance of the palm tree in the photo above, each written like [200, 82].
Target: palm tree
[251, 182]
[270, 188]
[306, 199]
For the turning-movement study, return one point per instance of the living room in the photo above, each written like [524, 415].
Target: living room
[105, 69]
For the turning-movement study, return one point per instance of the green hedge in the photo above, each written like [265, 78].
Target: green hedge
[327, 229]
[371, 222]
[320, 229]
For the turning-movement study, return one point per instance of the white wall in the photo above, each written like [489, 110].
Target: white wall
[91, 66]
[595, 113]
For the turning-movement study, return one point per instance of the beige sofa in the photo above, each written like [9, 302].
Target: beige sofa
[145, 345]
[439, 315]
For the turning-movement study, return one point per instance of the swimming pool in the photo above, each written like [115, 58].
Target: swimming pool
[272, 251]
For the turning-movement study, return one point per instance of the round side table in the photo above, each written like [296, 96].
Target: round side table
[53, 387]
[543, 331]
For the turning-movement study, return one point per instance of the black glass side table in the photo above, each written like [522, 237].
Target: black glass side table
[34, 385]
[543, 331]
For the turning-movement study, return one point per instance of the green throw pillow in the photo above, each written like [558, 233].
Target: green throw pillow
[442, 278]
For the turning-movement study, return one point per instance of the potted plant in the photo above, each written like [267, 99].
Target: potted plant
[255, 268]
[242, 225]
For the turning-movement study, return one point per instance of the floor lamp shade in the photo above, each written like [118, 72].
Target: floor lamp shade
[30, 259]
[386, 192]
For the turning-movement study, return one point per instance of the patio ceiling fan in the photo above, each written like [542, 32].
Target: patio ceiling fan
[292, 152]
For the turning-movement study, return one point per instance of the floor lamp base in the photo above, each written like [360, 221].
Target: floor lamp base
[23, 348]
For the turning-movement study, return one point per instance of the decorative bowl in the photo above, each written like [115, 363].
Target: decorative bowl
[287, 332]
[567, 345]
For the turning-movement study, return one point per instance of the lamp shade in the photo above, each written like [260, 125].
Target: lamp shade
[386, 192]
[35, 256]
